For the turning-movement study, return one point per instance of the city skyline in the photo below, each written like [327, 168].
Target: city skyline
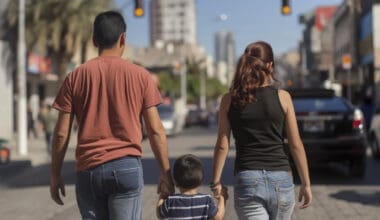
[263, 22]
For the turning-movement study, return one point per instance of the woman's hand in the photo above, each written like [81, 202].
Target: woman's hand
[217, 190]
[305, 195]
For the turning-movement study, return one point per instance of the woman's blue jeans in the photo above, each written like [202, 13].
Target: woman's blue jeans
[111, 190]
[261, 194]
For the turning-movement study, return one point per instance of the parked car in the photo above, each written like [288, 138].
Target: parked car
[4, 152]
[374, 135]
[197, 117]
[169, 119]
[331, 128]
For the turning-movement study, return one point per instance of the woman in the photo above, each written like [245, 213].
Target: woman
[258, 114]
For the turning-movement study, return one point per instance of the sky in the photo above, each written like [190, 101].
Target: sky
[249, 20]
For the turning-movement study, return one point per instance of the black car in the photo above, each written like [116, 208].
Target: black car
[331, 128]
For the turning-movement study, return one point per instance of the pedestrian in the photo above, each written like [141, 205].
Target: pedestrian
[258, 114]
[31, 124]
[108, 95]
[189, 204]
[368, 106]
[48, 119]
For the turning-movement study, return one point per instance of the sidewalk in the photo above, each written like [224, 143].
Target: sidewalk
[37, 152]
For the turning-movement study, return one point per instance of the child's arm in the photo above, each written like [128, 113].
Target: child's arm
[222, 204]
[221, 208]
[159, 204]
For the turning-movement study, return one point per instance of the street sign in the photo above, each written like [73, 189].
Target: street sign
[346, 61]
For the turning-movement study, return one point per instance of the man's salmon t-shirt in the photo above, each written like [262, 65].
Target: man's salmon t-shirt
[107, 95]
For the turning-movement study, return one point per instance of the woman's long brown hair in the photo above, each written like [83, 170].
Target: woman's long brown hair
[252, 70]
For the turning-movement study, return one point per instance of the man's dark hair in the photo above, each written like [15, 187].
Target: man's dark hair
[108, 26]
[188, 171]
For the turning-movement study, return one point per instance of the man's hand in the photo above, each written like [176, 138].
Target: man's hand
[56, 185]
[165, 185]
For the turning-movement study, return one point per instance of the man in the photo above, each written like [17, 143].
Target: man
[107, 95]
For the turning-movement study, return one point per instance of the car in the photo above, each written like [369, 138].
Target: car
[4, 152]
[374, 135]
[331, 128]
[169, 119]
[197, 117]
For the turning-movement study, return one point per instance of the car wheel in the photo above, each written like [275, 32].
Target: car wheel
[358, 167]
[375, 147]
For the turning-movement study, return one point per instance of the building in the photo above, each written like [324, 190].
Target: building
[172, 21]
[225, 56]
[7, 68]
[314, 61]
[369, 47]
[345, 45]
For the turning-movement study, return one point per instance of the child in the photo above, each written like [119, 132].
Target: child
[189, 204]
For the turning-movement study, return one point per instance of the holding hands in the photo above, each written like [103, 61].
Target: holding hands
[165, 185]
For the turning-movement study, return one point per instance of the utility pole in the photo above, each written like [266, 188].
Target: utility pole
[202, 100]
[183, 81]
[21, 81]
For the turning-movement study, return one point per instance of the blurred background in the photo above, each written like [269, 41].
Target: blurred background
[327, 54]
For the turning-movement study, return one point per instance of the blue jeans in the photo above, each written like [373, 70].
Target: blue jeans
[111, 190]
[261, 194]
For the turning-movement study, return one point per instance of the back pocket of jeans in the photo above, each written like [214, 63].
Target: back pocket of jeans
[285, 195]
[245, 187]
[129, 180]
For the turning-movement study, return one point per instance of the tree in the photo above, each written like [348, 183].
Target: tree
[57, 28]
[169, 84]
[214, 88]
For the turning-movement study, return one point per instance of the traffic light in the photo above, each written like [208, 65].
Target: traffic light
[139, 9]
[285, 7]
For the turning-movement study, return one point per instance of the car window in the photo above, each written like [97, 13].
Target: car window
[334, 104]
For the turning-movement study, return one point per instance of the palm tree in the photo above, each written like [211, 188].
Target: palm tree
[58, 27]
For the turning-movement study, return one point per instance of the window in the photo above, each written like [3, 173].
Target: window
[334, 104]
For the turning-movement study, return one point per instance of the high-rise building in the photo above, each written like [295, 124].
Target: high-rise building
[172, 21]
[225, 55]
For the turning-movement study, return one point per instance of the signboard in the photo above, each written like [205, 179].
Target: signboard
[38, 64]
[346, 61]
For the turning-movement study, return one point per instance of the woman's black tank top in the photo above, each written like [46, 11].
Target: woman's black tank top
[258, 130]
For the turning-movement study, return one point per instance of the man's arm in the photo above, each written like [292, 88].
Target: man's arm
[61, 138]
[158, 143]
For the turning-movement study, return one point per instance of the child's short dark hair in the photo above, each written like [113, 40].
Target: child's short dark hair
[107, 29]
[188, 171]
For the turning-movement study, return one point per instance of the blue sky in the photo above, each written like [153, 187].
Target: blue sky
[249, 20]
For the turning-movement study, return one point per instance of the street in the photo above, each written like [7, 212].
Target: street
[25, 192]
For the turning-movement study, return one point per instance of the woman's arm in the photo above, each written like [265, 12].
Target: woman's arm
[296, 148]
[222, 144]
